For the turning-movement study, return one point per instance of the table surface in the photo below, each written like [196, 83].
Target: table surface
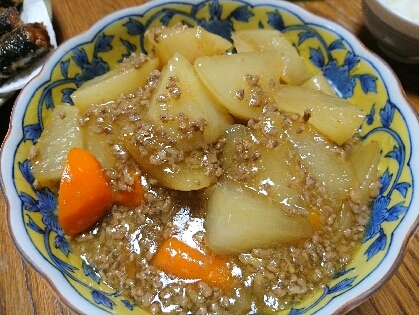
[24, 291]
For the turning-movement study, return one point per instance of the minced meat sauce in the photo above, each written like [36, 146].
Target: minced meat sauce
[122, 245]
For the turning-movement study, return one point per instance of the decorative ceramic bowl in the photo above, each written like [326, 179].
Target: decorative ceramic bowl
[396, 33]
[356, 74]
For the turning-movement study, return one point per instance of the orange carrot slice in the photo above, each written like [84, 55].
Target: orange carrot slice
[178, 259]
[133, 197]
[85, 192]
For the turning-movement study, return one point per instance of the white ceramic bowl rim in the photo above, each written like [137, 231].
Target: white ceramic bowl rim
[340, 303]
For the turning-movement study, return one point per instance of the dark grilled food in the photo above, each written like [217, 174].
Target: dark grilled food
[9, 20]
[21, 47]
[11, 3]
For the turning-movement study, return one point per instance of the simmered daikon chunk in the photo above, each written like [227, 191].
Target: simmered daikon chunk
[365, 158]
[325, 162]
[319, 82]
[259, 158]
[334, 117]
[100, 139]
[190, 42]
[184, 109]
[295, 71]
[62, 132]
[240, 219]
[243, 83]
[180, 172]
[125, 79]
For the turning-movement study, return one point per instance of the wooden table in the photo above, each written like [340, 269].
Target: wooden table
[24, 292]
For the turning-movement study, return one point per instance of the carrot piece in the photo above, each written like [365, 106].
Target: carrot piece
[178, 259]
[85, 192]
[133, 197]
[315, 220]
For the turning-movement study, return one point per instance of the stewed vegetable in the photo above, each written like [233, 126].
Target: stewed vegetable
[218, 182]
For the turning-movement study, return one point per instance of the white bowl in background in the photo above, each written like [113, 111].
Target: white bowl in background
[396, 34]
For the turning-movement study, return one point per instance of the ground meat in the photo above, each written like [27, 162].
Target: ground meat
[133, 61]
[121, 247]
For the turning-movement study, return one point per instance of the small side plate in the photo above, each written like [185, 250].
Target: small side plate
[32, 11]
